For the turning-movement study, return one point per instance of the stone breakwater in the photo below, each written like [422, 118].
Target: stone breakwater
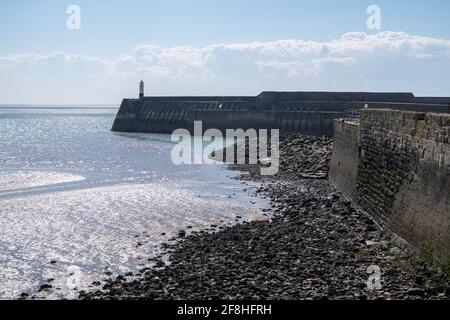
[315, 245]
[309, 113]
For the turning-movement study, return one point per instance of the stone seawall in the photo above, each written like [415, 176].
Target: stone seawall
[311, 123]
[345, 158]
[164, 116]
[291, 112]
[396, 165]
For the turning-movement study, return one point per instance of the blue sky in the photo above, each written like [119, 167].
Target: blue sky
[219, 47]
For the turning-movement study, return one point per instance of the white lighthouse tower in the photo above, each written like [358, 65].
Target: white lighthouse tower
[141, 90]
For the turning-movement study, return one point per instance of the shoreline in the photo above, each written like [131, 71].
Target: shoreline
[316, 245]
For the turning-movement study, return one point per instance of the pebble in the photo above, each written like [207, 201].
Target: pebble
[315, 246]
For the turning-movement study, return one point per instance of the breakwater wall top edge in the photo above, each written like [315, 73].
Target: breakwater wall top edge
[317, 96]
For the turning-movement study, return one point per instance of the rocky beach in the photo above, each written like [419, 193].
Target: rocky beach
[314, 244]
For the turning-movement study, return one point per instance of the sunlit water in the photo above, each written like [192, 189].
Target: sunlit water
[77, 200]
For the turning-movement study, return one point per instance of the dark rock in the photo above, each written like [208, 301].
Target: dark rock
[120, 278]
[45, 287]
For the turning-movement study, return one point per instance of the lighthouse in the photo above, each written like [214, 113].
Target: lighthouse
[141, 90]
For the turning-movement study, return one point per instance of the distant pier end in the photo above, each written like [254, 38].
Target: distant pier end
[297, 112]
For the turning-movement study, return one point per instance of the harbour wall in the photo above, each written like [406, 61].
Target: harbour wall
[396, 166]
[296, 112]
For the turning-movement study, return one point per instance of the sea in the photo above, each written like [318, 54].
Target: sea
[79, 203]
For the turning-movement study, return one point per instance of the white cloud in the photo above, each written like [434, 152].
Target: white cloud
[354, 54]
[179, 61]
[297, 68]
[273, 48]
[33, 59]
[396, 42]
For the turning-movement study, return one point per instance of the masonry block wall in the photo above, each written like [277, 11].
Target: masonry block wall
[403, 175]
[345, 159]
[388, 156]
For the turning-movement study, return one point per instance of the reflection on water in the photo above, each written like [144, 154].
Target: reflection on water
[19, 180]
[76, 198]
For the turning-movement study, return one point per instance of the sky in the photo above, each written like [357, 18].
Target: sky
[49, 55]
